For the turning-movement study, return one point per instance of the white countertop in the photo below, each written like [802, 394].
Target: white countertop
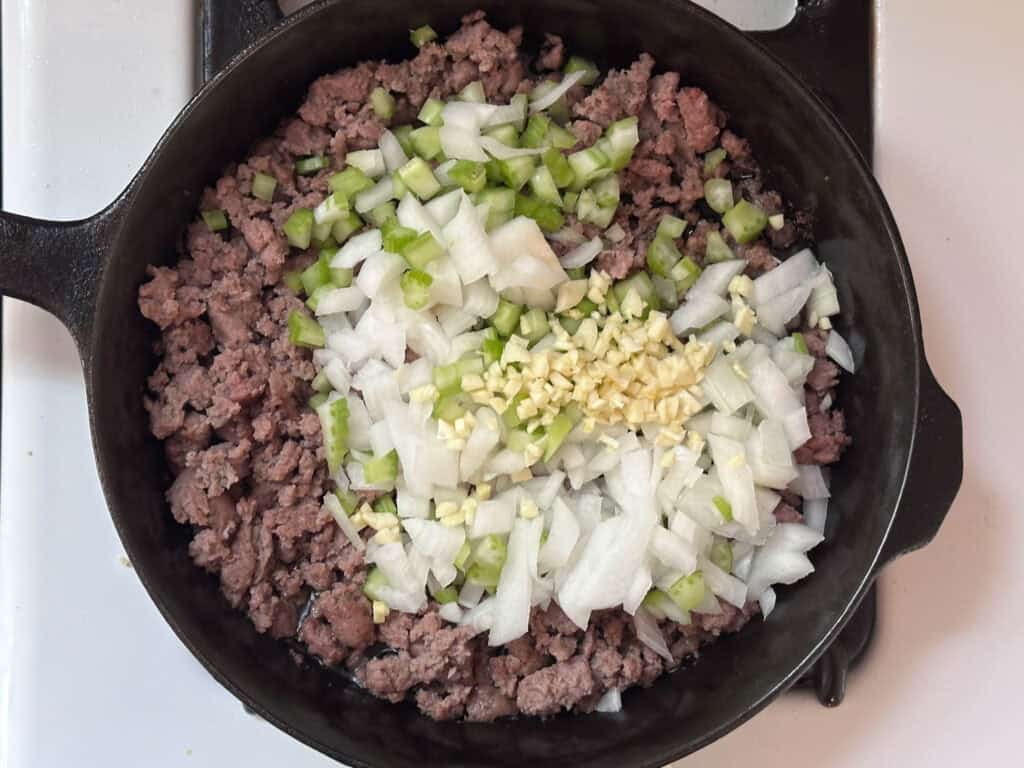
[90, 674]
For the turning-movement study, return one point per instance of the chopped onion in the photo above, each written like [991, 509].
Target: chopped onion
[697, 311]
[468, 243]
[504, 152]
[524, 257]
[379, 269]
[512, 599]
[462, 144]
[562, 537]
[391, 149]
[495, 515]
[481, 443]
[776, 312]
[815, 512]
[451, 612]
[358, 249]
[810, 482]
[413, 214]
[557, 92]
[767, 601]
[467, 114]
[442, 209]
[583, 254]
[332, 505]
[376, 195]
[649, 633]
[611, 701]
[567, 235]
[737, 480]
[435, 540]
[797, 269]
[479, 299]
[837, 348]
[727, 587]
[340, 300]
[715, 278]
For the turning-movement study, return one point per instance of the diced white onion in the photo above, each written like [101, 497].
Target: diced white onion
[557, 92]
[391, 151]
[357, 249]
[583, 254]
[837, 348]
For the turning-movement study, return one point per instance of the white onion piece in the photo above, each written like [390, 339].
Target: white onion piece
[570, 293]
[369, 161]
[393, 560]
[332, 505]
[732, 427]
[380, 439]
[697, 311]
[611, 701]
[444, 207]
[649, 633]
[392, 152]
[557, 92]
[727, 391]
[512, 598]
[337, 374]
[583, 254]
[340, 300]
[468, 243]
[504, 152]
[451, 612]
[727, 587]
[810, 482]
[642, 583]
[454, 321]
[504, 114]
[719, 333]
[715, 278]
[837, 348]
[798, 430]
[446, 287]
[435, 540]
[480, 617]
[737, 480]
[767, 601]
[773, 395]
[824, 300]
[479, 299]
[357, 249]
[563, 535]
[815, 512]
[413, 214]
[672, 550]
[470, 594]
[779, 310]
[410, 505]
[524, 257]
[376, 195]
[567, 235]
[481, 443]
[541, 298]
[795, 270]
[413, 375]
[467, 114]
[462, 144]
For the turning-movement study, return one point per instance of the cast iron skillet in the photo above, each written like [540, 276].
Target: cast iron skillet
[890, 493]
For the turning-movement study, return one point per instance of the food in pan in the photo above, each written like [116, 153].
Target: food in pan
[500, 382]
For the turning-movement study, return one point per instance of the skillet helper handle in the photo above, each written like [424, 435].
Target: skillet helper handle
[55, 265]
[228, 26]
[936, 469]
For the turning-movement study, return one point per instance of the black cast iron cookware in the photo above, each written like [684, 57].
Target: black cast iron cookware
[890, 493]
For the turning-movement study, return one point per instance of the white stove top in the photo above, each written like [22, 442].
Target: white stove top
[90, 674]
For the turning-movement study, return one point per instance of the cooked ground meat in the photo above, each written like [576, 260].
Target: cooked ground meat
[228, 397]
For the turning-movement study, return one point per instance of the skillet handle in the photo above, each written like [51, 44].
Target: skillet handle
[936, 469]
[57, 265]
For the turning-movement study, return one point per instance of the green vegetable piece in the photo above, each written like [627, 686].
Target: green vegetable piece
[334, 427]
[383, 103]
[422, 250]
[522, 102]
[349, 182]
[688, 591]
[588, 165]
[497, 198]
[713, 159]
[310, 166]
[426, 141]
[662, 256]
[570, 324]
[341, 277]
[263, 186]
[576, 273]
[671, 227]
[447, 378]
[471, 362]
[716, 249]
[446, 595]
[579, 64]
[473, 92]
[800, 344]
[376, 584]
[491, 551]
[299, 228]
[622, 136]
[505, 319]
[588, 210]
[321, 383]
[721, 555]
[314, 298]
[398, 188]
[492, 350]
[321, 233]
[416, 288]
[533, 325]
[215, 220]
[570, 202]
[382, 215]
[641, 283]
[536, 130]
[315, 275]
[516, 171]
[510, 416]
[543, 186]
[422, 35]
[724, 508]
[665, 289]
[559, 429]
[448, 408]
[483, 576]
[419, 178]
[559, 168]
[606, 191]
[349, 500]
[304, 331]
[385, 505]
[548, 217]
[506, 134]
[718, 194]
[462, 558]
[402, 133]
[381, 469]
[397, 237]
[317, 400]
[430, 112]
[561, 138]
[745, 222]
[293, 280]
[493, 168]
[685, 274]
[469, 175]
[346, 226]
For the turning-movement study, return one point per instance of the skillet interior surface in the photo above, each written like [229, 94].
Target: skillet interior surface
[809, 160]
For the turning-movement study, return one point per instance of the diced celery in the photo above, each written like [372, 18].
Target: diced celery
[304, 331]
[309, 166]
[446, 595]
[382, 214]
[469, 175]
[588, 210]
[447, 379]
[716, 249]
[588, 165]
[426, 141]
[491, 551]
[536, 130]
[561, 138]
[397, 237]
[685, 274]
[334, 428]
[473, 92]
[381, 469]
[671, 227]
[418, 177]
[506, 134]
[721, 555]
[533, 325]
[665, 289]
[321, 233]
[430, 112]
[519, 440]
[293, 280]
[422, 35]
[522, 102]
[622, 137]
[745, 222]
[345, 227]
[416, 288]
[398, 188]
[718, 194]
[448, 407]
[385, 505]
[548, 217]
[688, 591]
[570, 202]
[505, 319]
[402, 133]
[215, 220]
[462, 558]
[263, 186]
[662, 256]
[383, 103]
[493, 168]
[314, 298]
[471, 362]
[516, 171]
[659, 604]
[606, 191]
[641, 283]
[579, 64]
[317, 400]
[315, 275]
[333, 208]
[800, 344]
[349, 182]
[724, 507]
[492, 349]
[422, 250]
[543, 186]
[713, 159]
[375, 585]
[559, 429]
[299, 228]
